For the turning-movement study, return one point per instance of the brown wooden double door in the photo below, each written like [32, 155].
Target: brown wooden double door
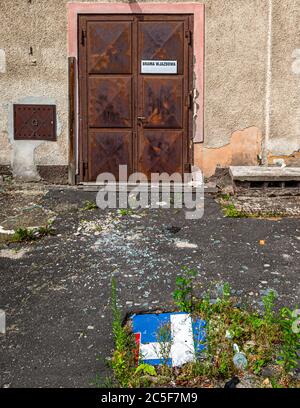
[128, 117]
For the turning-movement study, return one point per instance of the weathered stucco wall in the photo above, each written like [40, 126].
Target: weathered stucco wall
[236, 72]
[235, 75]
[38, 78]
[285, 91]
[235, 68]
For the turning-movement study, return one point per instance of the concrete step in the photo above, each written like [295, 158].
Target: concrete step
[260, 173]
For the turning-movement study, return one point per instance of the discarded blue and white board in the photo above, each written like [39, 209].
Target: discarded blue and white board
[187, 338]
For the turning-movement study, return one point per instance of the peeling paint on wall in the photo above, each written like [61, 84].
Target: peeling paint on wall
[243, 149]
[2, 62]
[5, 149]
[23, 160]
[292, 160]
[279, 146]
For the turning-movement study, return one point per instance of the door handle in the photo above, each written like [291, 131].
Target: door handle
[142, 119]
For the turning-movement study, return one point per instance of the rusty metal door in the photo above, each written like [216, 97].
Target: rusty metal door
[127, 116]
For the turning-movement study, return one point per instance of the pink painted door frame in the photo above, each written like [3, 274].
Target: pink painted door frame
[196, 9]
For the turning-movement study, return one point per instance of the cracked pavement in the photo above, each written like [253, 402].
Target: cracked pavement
[56, 291]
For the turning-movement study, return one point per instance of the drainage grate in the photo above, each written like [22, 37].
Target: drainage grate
[288, 187]
[275, 184]
[292, 184]
[253, 184]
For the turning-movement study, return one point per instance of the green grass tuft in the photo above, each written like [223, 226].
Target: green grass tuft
[89, 205]
[32, 234]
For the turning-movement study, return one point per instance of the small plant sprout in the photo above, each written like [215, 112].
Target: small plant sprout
[164, 340]
[289, 353]
[183, 295]
[89, 205]
[32, 234]
[124, 211]
[145, 369]
[231, 211]
[123, 360]
[269, 304]
[23, 234]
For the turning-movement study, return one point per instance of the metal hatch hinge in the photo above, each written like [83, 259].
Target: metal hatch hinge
[83, 37]
[189, 36]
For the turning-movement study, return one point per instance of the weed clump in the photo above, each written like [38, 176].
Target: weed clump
[238, 341]
[230, 210]
[32, 234]
[183, 294]
[89, 205]
[123, 212]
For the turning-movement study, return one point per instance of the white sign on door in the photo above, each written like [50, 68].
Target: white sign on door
[158, 67]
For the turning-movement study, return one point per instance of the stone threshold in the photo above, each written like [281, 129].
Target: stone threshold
[260, 173]
[93, 186]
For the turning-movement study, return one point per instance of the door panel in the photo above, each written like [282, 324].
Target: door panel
[109, 47]
[108, 150]
[162, 40]
[126, 117]
[109, 101]
[162, 102]
[160, 152]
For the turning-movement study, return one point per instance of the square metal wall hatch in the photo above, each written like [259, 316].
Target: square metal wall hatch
[35, 122]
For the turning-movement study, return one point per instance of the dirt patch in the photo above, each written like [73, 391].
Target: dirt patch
[267, 207]
[20, 208]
